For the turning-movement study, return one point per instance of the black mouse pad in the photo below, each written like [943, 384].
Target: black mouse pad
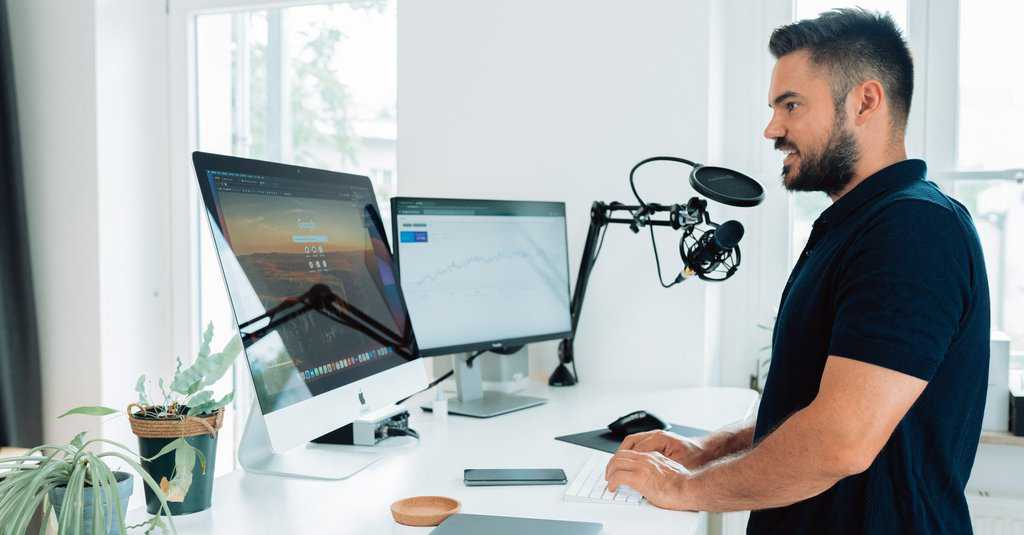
[603, 439]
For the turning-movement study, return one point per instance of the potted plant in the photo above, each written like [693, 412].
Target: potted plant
[76, 482]
[186, 411]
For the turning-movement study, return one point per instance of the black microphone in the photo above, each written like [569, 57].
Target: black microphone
[710, 251]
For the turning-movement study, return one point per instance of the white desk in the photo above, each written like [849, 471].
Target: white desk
[246, 503]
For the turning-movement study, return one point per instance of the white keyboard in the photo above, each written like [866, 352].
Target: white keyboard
[589, 485]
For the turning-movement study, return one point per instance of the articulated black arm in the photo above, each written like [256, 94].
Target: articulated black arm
[321, 299]
[688, 215]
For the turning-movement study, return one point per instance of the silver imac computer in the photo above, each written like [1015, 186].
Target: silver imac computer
[482, 275]
[324, 325]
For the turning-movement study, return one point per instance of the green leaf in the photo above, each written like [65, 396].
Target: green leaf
[71, 508]
[209, 406]
[223, 402]
[188, 381]
[90, 411]
[218, 364]
[184, 464]
[47, 512]
[98, 489]
[113, 496]
[77, 441]
[207, 368]
[149, 482]
[198, 400]
[201, 397]
[171, 446]
[140, 387]
[204, 346]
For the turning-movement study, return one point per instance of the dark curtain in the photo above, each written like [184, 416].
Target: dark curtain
[21, 422]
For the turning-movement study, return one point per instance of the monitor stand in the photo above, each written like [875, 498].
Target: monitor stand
[329, 462]
[473, 401]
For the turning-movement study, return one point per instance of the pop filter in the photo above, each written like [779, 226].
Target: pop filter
[726, 186]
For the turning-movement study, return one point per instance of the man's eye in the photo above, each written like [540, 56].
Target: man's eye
[790, 106]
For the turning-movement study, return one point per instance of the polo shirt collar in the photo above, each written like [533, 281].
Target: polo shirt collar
[889, 178]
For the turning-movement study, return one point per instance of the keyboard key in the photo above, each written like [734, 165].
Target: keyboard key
[589, 485]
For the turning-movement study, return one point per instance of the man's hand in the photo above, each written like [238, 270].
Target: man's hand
[680, 449]
[837, 435]
[660, 479]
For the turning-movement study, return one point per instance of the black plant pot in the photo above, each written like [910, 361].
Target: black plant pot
[200, 493]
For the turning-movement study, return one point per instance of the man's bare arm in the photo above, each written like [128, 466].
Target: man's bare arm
[726, 441]
[839, 434]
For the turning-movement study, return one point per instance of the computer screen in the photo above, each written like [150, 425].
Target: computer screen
[479, 274]
[310, 276]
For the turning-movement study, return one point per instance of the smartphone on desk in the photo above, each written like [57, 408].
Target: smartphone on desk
[490, 477]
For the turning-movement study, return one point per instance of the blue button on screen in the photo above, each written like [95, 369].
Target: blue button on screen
[412, 236]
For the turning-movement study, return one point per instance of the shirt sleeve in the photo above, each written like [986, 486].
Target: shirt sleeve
[902, 290]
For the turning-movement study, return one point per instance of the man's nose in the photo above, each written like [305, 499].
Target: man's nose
[774, 130]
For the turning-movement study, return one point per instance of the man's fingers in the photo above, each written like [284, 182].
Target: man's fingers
[630, 454]
[651, 442]
[618, 462]
[631, 440]
[631, 478]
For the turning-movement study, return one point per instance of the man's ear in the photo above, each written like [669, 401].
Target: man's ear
[868, 98]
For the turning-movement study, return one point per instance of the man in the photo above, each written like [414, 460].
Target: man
[870, 418]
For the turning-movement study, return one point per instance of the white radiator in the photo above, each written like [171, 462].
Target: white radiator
[995, 515]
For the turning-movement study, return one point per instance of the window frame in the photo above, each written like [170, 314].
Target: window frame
[933, 32]
[186, 206]
[940, 128]
[184, 138]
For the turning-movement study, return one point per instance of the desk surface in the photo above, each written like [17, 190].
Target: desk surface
[247, 503]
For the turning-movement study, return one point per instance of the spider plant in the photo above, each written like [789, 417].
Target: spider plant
[30, 483]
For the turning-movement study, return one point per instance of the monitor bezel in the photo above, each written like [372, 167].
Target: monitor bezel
[485, 345]
[301, 422]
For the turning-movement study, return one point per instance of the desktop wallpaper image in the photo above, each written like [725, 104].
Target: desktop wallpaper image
[285, 246]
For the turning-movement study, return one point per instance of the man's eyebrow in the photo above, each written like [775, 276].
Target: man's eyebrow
[784, 96]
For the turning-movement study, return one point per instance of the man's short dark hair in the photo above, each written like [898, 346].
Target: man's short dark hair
[854, 45]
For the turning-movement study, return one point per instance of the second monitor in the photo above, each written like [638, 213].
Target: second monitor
[482, 275]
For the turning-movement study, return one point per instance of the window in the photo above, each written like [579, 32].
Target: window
[311, 85]
[991, 107]
[998, 210]
[986, 171]
[988, 177]
[805, 207]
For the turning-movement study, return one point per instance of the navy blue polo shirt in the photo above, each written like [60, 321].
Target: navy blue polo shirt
[892, 275]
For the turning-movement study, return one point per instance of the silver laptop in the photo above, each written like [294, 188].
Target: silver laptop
[508, 525]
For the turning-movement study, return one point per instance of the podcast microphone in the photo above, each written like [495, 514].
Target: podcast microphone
[714, 249]
[708, 250]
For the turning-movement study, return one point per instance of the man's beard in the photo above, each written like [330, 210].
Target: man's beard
[828, 171]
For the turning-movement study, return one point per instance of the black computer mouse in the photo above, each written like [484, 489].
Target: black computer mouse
[636, 422]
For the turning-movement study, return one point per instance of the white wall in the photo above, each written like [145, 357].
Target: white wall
[92, 97]
[134, 197]
[741, 114]
[531, 99]
[534, 100]
[557, 101]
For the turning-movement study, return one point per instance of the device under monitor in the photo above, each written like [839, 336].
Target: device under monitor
[482, 275]
[312, 285]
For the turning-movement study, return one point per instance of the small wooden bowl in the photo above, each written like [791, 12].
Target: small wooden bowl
[423, 511]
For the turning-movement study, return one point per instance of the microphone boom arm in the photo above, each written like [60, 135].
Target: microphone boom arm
[686, 216]
[712, 256]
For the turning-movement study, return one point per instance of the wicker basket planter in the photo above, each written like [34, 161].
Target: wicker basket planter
[155, 433]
